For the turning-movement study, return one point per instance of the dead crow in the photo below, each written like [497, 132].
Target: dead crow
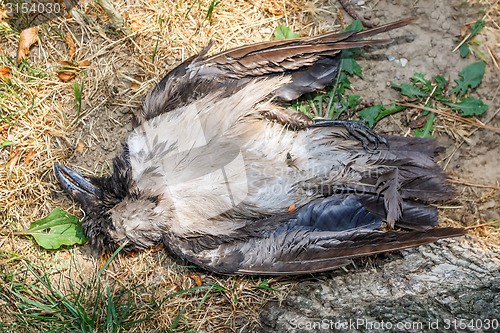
[229, 179]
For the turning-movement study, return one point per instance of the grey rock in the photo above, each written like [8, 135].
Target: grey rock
[452, 285]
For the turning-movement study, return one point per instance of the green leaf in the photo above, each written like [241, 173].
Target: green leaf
[426, 131]
[470, 106]
[6, 143]
[284, 32]
[351, 102]
[471, 77]
[343, 83]
[351, 66]
[441, 83]
[419, 77]
[465, 47]
[478, 26]
[213, 5]
[464, 50]
[387, 110]
[57, 229]
[374, 113]
[356, 25]
[424, 85]
[264, 285]
[369, 115]
[409, 90]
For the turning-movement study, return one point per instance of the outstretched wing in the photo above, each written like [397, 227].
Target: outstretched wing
[323, 235]
[311, 62]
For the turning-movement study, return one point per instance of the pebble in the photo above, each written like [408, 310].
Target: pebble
[124, 110]
[391, 58]
[398, 77]
[361, 3]
[404, 62]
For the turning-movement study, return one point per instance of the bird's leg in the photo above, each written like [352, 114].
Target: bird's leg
[293, 119]
[358, 130]
[298, 121]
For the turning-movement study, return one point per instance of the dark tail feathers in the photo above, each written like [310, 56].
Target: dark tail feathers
[401, 177]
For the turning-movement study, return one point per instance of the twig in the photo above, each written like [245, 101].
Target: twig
[475, 129]
[450, 116]
[456, 181]
[482, 224]
[462, 42]
[348, 8]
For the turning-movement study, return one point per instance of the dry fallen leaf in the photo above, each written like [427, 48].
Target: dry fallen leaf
[134, 84]
[419, 122]
[80, 147]
[463, 30]
[3, 15]
[136, 23]
[66, 71]
[196, 278]
[5, 74]
[341, 18]
[27, 38]
[29, 158]
[84, 63]
[71, 45]
[157, 248]
[104, 258]
[14, 157]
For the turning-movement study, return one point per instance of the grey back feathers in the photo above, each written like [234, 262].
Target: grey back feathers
[230, 180]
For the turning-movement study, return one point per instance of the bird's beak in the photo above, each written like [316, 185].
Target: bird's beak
[75, 184]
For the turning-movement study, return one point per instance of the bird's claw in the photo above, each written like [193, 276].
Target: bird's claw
[369, 139]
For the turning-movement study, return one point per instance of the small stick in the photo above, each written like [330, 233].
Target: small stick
[472, 184]
[348, 8]
[482, 224]
[450, 116]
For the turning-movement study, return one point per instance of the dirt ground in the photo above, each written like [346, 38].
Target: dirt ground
[122, 71]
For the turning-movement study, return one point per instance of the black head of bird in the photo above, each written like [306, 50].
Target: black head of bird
[215, 163]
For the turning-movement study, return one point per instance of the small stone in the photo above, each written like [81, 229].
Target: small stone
[404, 62]
[361, 3]
[391, 58]
[124, 110]
[410, 38]
[397, 77]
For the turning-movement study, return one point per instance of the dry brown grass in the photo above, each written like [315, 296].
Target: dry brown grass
[45, 126]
